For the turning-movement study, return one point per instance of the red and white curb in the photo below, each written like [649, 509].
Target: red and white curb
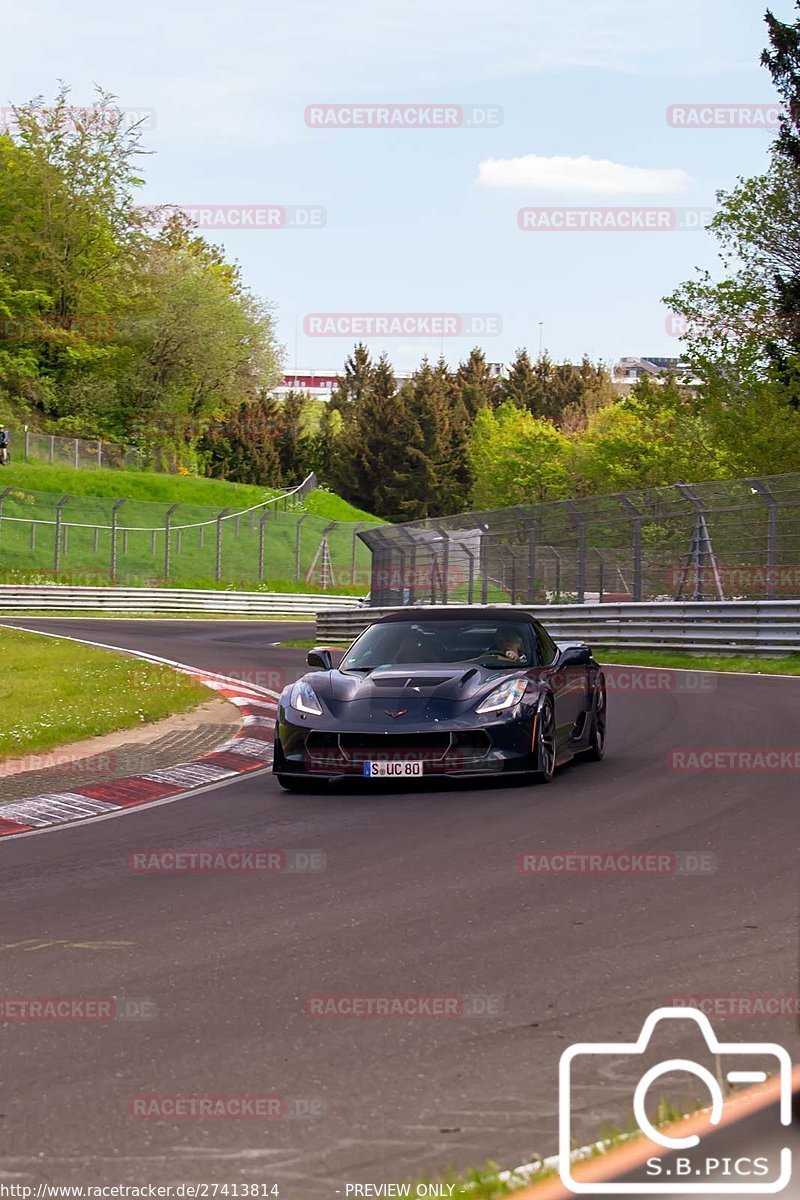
[248, 750]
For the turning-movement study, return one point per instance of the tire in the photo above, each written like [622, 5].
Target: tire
[545, 744]
[597, 738]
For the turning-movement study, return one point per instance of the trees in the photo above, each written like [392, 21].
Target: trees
[517, 458]
[520, 386]
[562, 393]
[132, 329]
[475, 385]
[653, 437]
[294, 443]
[742, 337]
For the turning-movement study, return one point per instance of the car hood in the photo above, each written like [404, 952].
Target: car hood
[458, 684]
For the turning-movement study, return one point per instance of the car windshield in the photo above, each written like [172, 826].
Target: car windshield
[494, 644]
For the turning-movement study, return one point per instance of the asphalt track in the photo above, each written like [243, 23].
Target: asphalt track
[422, 896]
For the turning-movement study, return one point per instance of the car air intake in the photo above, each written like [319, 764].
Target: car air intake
[410, 681]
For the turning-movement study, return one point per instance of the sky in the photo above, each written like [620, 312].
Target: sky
[556, 108]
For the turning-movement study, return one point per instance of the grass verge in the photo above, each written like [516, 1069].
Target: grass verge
[788, 665]
[55, 692]
[23, 614]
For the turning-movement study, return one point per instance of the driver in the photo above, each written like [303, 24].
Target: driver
[508, 645]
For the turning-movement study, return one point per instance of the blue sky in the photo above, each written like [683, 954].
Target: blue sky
[426, 220]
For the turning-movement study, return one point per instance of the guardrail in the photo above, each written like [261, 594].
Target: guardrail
[53, 598]
[752, 627]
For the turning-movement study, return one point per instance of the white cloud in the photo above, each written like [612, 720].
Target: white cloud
[598, 176]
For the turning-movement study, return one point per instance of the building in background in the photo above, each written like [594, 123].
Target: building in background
[630, 370]
[319, 384]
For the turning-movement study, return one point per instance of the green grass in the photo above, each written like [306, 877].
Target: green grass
[166, 489]
[53, 692]
[292, 539]
[135, 485]
[788, 665]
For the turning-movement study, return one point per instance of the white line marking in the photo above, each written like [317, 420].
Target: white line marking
[131, 811]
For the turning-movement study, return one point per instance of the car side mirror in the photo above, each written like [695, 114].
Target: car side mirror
[320, 658]
[575, 656]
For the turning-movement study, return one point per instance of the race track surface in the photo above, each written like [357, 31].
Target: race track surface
[422, 895]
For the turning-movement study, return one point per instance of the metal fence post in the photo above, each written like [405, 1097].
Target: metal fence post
[261, 527]
[114, 512]
[52, 447]
[218, 561]
[297, 547]
[77, 460]
[761, 489]
[600, 572]
[637, 546]
[485, 565]
[99, 455]
[3, 495]
[57, 548]
[580, 522]
[167, 538]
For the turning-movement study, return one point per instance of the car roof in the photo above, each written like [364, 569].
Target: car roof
[457, 613]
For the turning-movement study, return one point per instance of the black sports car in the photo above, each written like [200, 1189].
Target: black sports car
[442, 692]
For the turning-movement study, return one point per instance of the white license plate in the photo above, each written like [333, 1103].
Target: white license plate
[392, 770]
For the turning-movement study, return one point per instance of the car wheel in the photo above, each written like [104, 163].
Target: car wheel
[545, 743]
[597, 738]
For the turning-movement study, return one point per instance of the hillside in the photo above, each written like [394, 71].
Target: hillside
[291, 540]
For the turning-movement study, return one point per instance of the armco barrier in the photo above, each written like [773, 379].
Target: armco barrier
[163, 601]
[747, 627]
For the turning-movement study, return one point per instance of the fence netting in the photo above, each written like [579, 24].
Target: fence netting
[94, 541]
[725, 540]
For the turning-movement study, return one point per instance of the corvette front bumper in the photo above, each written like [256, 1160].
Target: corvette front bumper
[325, 749]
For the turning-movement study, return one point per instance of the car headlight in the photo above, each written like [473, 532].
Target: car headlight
[304, 698]
[505, 696]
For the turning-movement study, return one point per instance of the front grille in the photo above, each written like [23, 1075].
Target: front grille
[357, 748]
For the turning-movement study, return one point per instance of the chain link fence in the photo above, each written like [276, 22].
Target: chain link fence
[28, 446]
[93, 540]
[730, 540]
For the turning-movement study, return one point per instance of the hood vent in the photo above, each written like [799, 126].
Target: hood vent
[410, 681]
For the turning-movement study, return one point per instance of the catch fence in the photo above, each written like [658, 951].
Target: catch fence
[96, 541]
[725, 540]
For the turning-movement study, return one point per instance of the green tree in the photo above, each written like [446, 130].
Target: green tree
[517, 458]
[654, 437]
[294, 448]
[519, 386]
[475, 385]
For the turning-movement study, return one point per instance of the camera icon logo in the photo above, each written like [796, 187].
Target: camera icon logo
[691, 1181]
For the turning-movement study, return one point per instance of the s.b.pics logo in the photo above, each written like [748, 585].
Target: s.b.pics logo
[681, 1163]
